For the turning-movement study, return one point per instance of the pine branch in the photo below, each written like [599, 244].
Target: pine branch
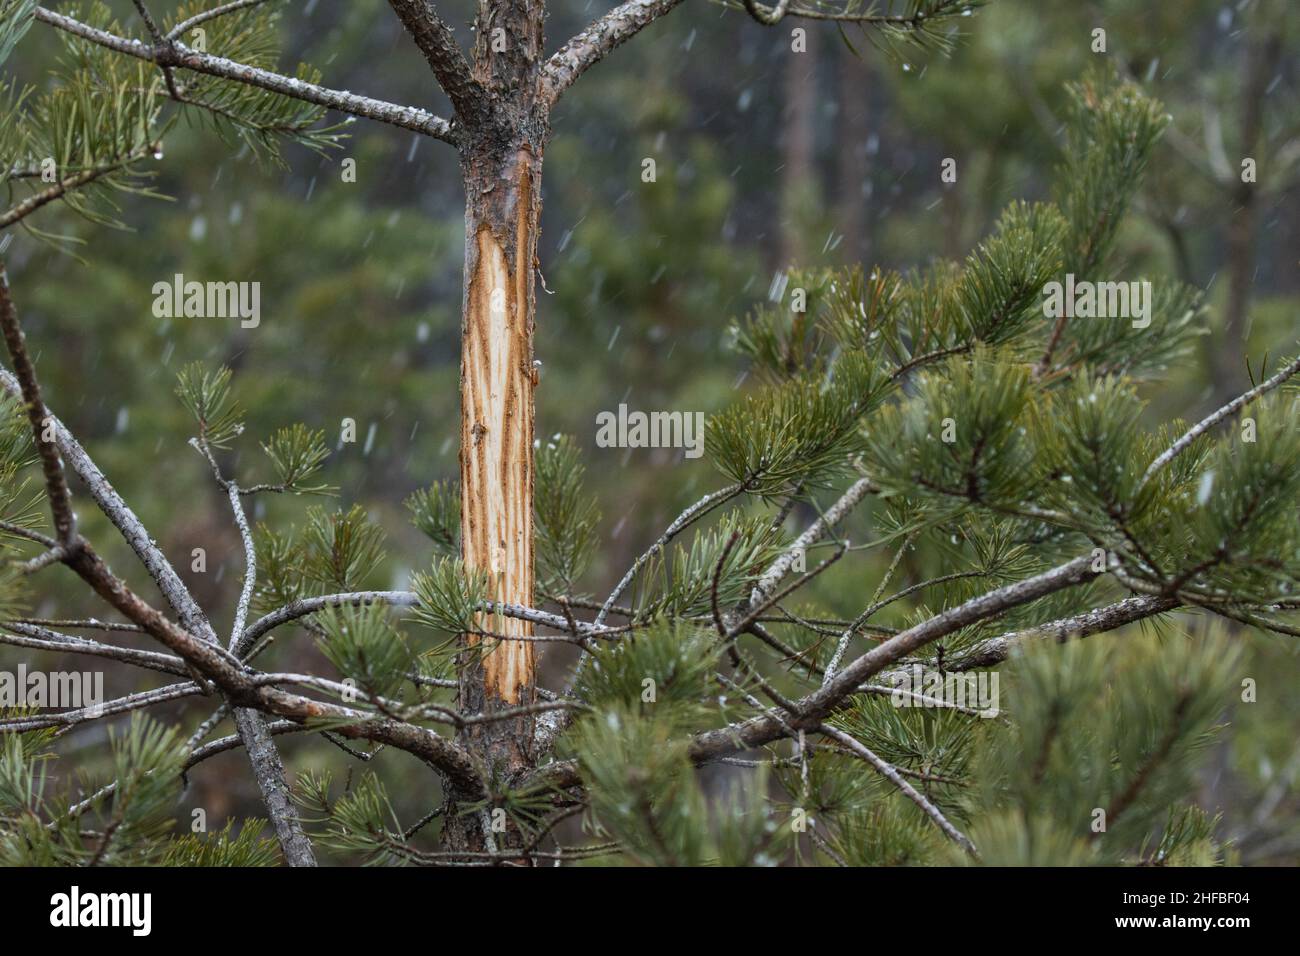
[81, 558]
[42, 638]
[72, 183]
[110, 708]
[1099, 620]
[311, 605]
[219, 746]
[814, 707]
[1227, 411]
[176, 54]
[207, 657]
[811, 535]
[876, 604]
[891, 774]
[56, 484]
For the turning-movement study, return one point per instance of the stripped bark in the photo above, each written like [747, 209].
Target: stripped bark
[496, 452]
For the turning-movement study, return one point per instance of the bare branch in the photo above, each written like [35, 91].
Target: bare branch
[814, 533]
[196, 757]
[176, 54]
[814, 707]
[998, 649]
[1227, 411]
[45, 559]
[593, 44]
[444, 56]
[891, 774]
[763, 15]
[56, 485]
[17, 530]
[683, 521]
[121, 705]
[862, 14]
[876, 604]
[305, 606]
[178, 31]
[45, 639]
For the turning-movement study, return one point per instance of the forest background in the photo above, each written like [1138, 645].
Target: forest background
[765, 159]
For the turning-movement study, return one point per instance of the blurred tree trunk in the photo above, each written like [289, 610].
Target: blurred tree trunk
[798, 184]
[854, 94]
[1260, 63]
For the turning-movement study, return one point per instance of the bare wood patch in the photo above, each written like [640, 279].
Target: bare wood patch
[496, 437]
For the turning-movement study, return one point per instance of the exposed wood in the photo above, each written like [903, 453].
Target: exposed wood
[497, 382]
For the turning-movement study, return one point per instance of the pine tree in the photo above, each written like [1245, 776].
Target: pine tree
[1000, 461]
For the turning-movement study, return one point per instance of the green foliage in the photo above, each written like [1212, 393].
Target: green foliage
[797, 432]
[297, 453]
[224, 848]
[96, 122]
[961, 436]
[207, 396]
[101, 114]
[130, 826]
[1099, 732]
[362, 820]
[1044, 464]
[934, 742]
[450, 596]
[685, 577]
[20, 502]
[1188, 839]
[782, 340]
[363, 644]
[566, 516]
[1090, 434]
[1121, 347]
[342, 548]
[643, 794]
[245, 114]
[1110, 134]
[280, 579]
[15, 21]
[886, 834]
[897, 27]
[1003, 279]
[1236, 532]
[666, 667]
[436, 512]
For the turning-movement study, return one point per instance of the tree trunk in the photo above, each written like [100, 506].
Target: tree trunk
[799, 183]
[1259, 64]
[854, 118]
[497, 380]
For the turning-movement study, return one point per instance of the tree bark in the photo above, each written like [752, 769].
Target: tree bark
[496, 393]
[497, 382]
